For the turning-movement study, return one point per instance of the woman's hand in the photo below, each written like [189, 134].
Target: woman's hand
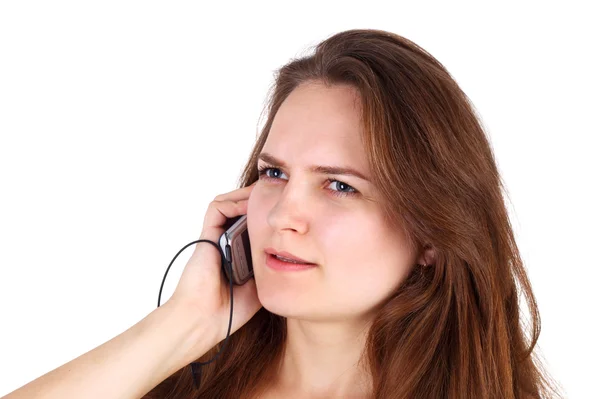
[202, 288]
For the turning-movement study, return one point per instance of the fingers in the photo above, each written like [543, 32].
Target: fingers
[223, 207]
[219, 211]
[236, 195]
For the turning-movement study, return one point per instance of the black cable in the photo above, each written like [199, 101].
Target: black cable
[196, 366]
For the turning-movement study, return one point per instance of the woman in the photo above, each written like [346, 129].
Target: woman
[374, 171]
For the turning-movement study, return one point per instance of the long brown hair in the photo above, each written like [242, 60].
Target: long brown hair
[453, 329]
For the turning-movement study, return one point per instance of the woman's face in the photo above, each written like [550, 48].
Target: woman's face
[338, 224]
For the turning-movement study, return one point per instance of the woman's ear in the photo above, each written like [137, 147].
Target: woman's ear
[427, 256]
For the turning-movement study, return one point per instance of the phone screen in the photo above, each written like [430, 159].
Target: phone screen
[235, 244]
[246, 246]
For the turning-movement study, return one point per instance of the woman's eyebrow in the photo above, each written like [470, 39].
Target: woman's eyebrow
[320, 169]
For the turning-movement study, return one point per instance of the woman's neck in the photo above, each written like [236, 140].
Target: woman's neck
[323, 359]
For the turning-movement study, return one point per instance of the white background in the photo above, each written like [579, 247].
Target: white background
[120, 121]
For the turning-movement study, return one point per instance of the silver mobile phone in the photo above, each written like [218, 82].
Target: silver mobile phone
[235, 244]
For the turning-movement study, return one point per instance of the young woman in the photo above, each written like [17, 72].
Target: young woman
[373, 172]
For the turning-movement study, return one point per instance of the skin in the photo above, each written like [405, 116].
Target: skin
[360, 259]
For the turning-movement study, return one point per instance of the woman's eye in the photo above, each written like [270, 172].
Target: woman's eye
[342, 186]
[263, 171]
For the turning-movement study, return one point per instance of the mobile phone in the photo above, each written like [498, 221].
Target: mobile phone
[235, 244]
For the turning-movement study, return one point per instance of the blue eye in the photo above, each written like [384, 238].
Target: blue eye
[263, 172]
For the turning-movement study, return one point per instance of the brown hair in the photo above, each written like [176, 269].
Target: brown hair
[453, 329]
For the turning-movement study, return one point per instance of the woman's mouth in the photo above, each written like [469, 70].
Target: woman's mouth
[281, 264]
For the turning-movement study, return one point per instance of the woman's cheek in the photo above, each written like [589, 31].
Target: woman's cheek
[257, 202]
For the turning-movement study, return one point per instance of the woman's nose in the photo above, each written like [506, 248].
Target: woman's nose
[290, 212]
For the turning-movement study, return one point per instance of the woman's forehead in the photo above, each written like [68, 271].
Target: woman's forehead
[320, 122]
[312, 148]
[318, 108]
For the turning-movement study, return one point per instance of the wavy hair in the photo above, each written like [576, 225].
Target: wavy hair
[453, 329]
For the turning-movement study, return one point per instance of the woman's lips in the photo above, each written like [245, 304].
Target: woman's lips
[277, 264]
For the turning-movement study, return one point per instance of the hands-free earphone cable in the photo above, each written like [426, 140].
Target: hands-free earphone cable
[197, 366]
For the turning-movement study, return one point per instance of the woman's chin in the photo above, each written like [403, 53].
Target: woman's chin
[282, 302]
[287, 295]
[276, 300]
